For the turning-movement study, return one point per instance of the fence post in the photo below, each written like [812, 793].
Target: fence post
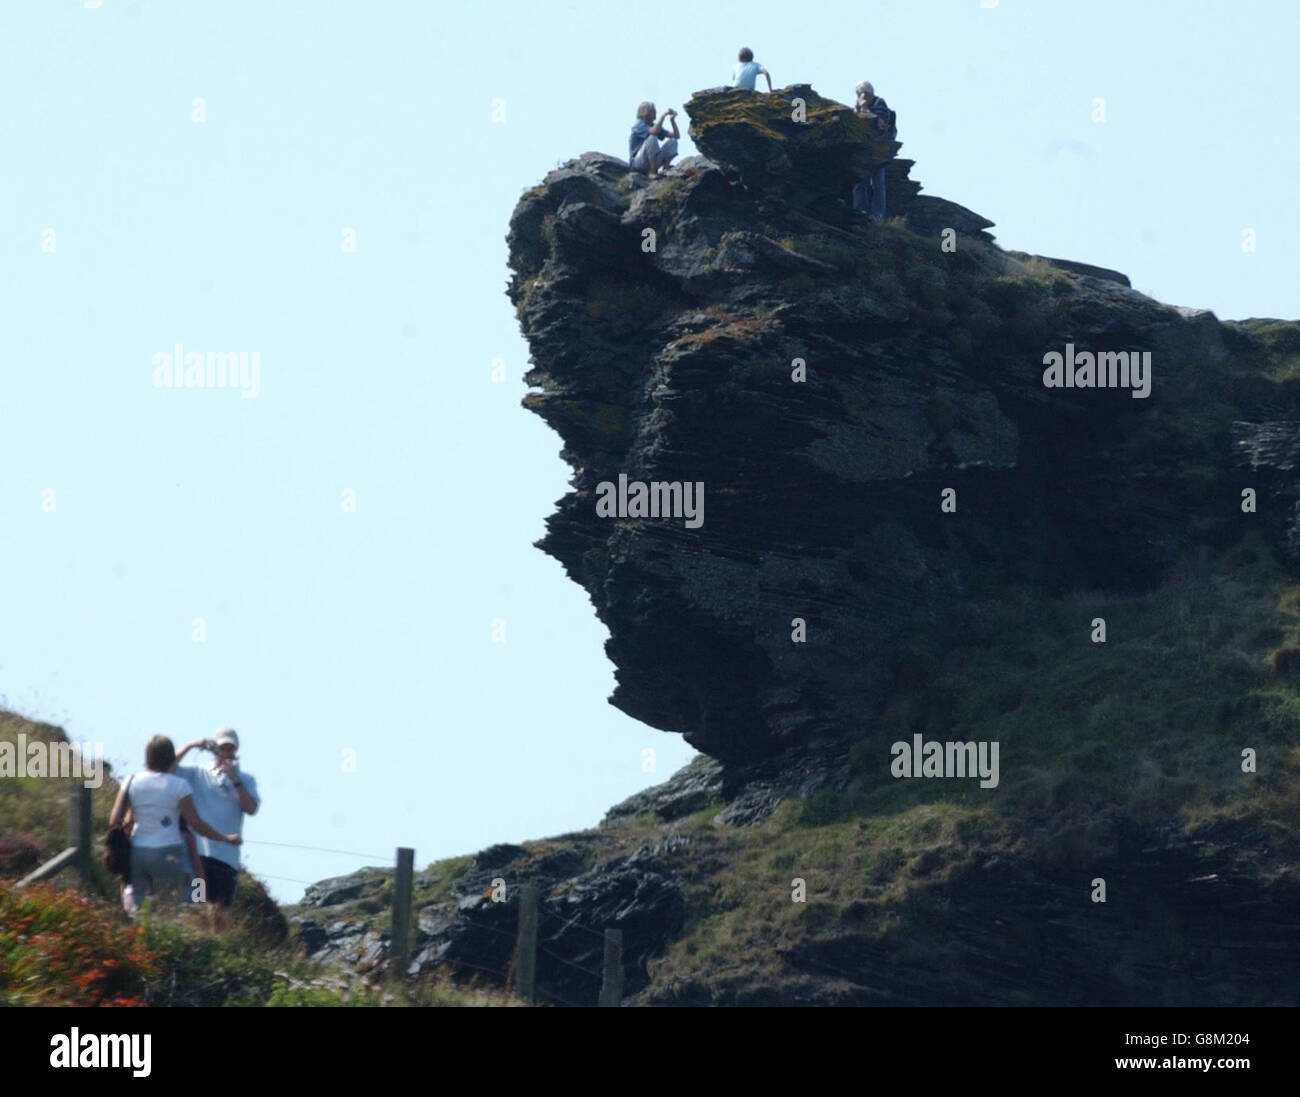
[399, 948]
[611, 981]
[79, 828]
[526, 943]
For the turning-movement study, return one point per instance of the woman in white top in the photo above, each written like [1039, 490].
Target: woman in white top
[158, 800]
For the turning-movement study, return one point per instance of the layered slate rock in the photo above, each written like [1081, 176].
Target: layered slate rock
[582, 893]
[666, 320]
[692, 788]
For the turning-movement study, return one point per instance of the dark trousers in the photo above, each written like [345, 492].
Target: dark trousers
[869, 195]
[221, 881]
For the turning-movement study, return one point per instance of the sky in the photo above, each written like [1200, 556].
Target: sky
[340, 563]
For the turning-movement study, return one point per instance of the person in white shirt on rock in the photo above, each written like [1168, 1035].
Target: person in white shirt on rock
[224, 794]
[158, 800]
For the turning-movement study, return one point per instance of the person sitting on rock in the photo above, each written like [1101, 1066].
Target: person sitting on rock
[869, 194]
[747, 72]
[647, 150]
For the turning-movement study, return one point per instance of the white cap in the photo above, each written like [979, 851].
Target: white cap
[227, 735]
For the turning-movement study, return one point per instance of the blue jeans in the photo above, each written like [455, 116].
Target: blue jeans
[869, 195]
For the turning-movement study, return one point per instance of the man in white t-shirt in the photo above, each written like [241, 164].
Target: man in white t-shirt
[223, 794]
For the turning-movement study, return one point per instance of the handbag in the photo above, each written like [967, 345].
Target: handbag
[117, 844]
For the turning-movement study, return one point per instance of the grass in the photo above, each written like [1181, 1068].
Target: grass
[978, 296]
[1149, 725]
[448, 872]
[1150, 722]
[39, 805]
[1281, 339]
[60, 945]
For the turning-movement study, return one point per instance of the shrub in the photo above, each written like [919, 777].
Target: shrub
[208, 969]
[20, 853]
[258, 915]
[59, 948]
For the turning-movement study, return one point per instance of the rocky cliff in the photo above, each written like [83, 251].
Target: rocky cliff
[905, 531]
[924, 371]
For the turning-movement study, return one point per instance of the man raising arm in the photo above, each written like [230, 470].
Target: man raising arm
[224, 794]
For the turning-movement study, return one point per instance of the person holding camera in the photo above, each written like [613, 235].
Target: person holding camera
[649, 149]
[224, 794]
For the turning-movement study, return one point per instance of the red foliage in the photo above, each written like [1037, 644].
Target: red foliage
[59, 948]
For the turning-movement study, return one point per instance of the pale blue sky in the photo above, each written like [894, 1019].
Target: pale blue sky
[372, 630]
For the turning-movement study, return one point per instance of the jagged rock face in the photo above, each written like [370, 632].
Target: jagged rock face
[822, 497]
[690, 789]
[637, 893]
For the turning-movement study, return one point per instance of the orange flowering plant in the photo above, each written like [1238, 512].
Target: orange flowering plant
[59, 948]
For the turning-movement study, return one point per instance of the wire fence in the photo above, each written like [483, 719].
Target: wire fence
[385, 858]
[501, 975]
[286, 879]
[558, 923]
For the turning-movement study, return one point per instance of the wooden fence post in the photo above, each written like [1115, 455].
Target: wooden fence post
[611, 981]
[399, 947]
[526, 943]
[79, 828]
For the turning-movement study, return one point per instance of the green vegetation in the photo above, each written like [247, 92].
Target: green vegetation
[60, 945]
[768, 118]
[978, 295]
[1149, 725]
[1281, 339]
[448, 872]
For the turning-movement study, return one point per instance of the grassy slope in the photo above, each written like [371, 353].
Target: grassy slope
[61, 946]
[1150, 724]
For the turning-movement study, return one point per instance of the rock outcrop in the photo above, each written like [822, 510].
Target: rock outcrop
[888, 481]
[669, 324]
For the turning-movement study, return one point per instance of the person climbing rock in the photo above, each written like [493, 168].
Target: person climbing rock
[748, 70]
[648, 151]
[869, 194]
